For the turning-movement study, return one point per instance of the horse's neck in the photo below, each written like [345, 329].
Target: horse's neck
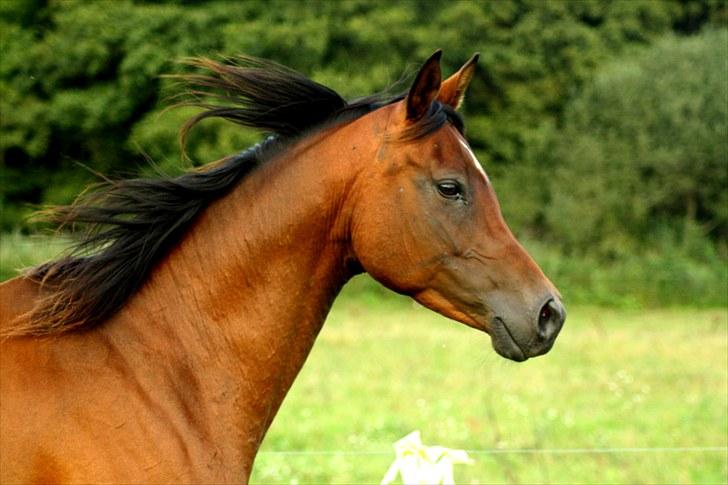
[238, 304]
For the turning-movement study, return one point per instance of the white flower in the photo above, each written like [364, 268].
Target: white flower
[418, 464]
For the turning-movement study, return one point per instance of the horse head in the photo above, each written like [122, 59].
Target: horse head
[427, 224]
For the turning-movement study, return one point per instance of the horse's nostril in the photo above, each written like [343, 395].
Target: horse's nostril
[550, 319]
[545, 313]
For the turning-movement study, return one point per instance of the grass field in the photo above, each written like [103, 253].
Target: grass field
[383, 367]
[18, 251]
[615, 379]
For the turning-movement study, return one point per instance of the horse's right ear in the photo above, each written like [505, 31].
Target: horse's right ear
[453, 88]
[425, 88]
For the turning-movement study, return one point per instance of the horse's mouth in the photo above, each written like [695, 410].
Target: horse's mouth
[504, 343]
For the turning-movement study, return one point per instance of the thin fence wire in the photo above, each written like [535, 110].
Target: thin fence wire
[519, 451]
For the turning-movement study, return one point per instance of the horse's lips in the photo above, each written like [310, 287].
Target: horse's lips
[504, 343]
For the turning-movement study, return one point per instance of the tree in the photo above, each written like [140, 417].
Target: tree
[80, 81]
[644, 150]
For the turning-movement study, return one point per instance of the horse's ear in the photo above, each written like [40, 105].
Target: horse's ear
[452, 91]
[425, 88]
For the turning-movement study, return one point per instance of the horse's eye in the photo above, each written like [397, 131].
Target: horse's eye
[450, 189]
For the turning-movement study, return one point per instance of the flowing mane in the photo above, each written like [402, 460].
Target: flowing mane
[126, 226]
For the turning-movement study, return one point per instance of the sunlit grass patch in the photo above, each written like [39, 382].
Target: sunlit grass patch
[615, 379]
[18, 251]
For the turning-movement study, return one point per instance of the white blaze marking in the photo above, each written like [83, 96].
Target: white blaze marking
[473, 159]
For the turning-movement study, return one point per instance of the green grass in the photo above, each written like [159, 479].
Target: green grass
[18, 251]
[615, 379]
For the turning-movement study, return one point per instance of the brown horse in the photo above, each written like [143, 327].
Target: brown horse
[162, 348]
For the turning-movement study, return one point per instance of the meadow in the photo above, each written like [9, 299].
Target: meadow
[643, 387]
[615, 379]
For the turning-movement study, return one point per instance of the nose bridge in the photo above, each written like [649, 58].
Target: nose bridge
[506, 247]
[521, 271]
[517, 272]
[527, 310]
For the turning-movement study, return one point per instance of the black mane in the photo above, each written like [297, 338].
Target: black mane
[129, 225]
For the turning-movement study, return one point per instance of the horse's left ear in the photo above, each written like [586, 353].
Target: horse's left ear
[425, 88]
[452, 91]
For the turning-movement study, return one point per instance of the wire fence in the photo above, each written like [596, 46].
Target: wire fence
[518, 451]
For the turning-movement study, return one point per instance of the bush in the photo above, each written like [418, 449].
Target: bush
[632, 186]
[669, 276]
[643, 152]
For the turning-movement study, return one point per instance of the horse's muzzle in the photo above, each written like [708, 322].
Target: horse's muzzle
[539, 339]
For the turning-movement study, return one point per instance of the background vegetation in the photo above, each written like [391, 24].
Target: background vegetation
[604, 127]
[602, 124]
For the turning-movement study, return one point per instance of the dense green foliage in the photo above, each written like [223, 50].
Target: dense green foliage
[633, 183]
[602, 124]
[644, 150]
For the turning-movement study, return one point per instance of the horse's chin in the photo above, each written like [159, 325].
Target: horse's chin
[503, 342]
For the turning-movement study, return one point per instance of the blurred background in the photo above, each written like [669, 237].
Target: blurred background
[604, 128]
